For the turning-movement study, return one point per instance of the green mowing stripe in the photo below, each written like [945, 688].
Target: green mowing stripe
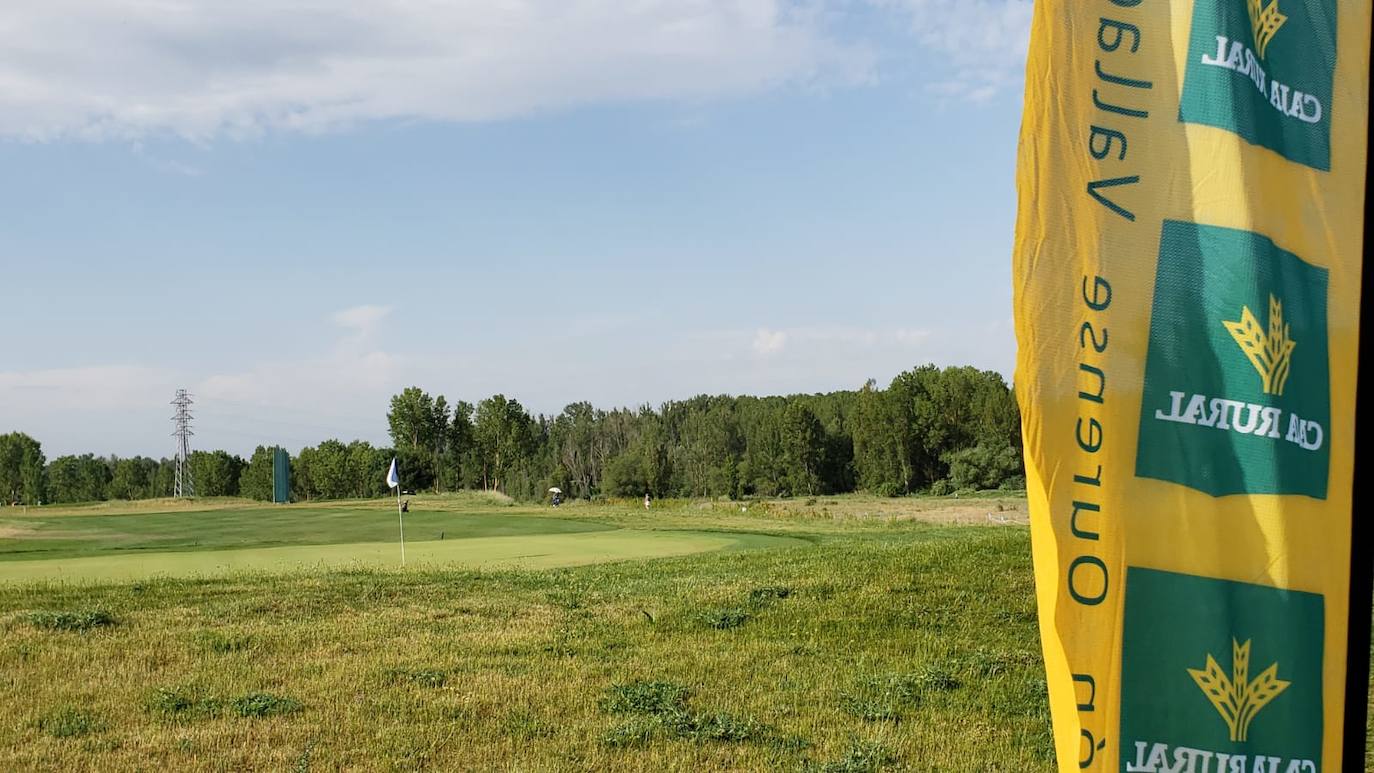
[79, 536]
[538, 551]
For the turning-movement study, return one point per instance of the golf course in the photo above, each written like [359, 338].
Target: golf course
[845, 634]
[124, 545]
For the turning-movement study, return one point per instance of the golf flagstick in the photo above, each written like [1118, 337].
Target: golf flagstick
[393, 479]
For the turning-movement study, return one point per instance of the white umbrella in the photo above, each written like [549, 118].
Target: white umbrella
[555, 490]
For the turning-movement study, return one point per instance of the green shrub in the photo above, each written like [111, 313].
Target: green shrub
[262, 704]
[525, 726]
[182, 703]
[71, 621]
[303, 760]
[223, 644]
[870, 708]
[660, 708]
[636, 731]
[887, 489]
[883, 698]
[424, 677]
[936, 678]
[860, 757]
[682, 725]
[768, 593]
[645, 698]
[985, 663]
[720, 726]
[983, 466]
[888, 697]
[68, 722]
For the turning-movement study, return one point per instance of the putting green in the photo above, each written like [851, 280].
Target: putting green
[535, 551]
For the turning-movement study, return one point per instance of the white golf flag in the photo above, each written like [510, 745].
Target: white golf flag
[392, 478]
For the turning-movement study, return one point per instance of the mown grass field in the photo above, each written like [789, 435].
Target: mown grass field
[78, 532]
[112, 543]
[882, 635]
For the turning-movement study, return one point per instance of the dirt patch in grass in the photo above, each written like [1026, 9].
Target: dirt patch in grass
[944, 511]
[24, 531]
[970, 515]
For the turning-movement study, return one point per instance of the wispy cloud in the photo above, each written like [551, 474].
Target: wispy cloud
[100, 69]
[981, 44]
[768, 342]
[321, 380]
[90, 408]
[200, 70]
[103, 386]
[167, 165]
[361, 319]
[811, 343]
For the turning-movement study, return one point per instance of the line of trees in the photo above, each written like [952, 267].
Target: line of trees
[26, 477]
[929, 430]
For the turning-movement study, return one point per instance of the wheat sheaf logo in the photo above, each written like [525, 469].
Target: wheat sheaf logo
[1237, 700]
[1265, 21]
[1271, 353]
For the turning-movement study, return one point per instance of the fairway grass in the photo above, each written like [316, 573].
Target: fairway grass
[533, 551]
[74, 536]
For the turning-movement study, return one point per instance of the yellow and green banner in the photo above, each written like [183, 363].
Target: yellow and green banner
[1187, 276]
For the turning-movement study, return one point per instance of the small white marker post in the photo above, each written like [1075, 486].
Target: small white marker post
[400, 519]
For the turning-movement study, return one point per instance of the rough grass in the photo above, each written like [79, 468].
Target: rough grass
[68, 722]
[264, 704]
[877, 644]
[731, 660]
[80, 620]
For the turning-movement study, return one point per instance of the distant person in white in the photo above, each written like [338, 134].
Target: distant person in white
[646, 500]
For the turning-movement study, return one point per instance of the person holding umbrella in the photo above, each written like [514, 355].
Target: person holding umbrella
[557, 495]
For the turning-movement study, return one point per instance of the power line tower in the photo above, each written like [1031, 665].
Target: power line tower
[185, 485]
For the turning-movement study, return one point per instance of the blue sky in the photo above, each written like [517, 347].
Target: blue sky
[296, 209]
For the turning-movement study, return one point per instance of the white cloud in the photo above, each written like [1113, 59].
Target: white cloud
[361, 319]
[768, 342]
[340, 393]
[335, 381]
[198, 69]
[361, 325]
[910, 337]
[92, 387]
[855, 337]
[811, 344]
[982, 43]
[788, 360]
[296, 403]
[90, 409]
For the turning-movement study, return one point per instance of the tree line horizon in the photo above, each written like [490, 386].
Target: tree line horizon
[930, 430]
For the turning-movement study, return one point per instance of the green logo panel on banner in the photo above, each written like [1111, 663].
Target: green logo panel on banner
[1263, 69]
[281, 476]
[1237, 382]
[1220, 676]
